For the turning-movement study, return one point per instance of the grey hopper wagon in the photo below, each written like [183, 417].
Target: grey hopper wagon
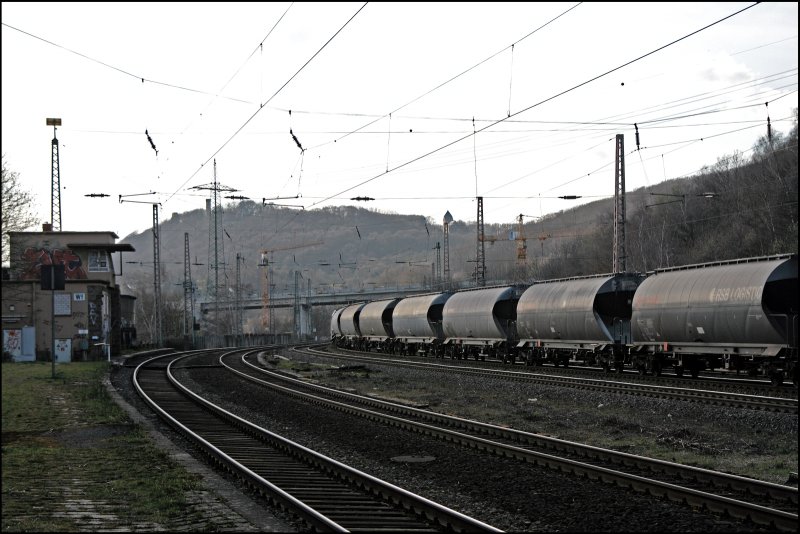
[480, 322]
[585, 318]
[417, 324]
[740, 314]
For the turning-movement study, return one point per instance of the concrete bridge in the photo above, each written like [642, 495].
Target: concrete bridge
[303, 304]
[342, 298]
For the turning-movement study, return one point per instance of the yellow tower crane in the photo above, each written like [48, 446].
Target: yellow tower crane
[266, 316]
[519, 236]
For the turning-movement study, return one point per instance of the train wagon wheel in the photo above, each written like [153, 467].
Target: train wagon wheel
[656, 368]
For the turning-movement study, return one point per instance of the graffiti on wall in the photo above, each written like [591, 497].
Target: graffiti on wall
[12, 342]
[34, 258]
[95, 313]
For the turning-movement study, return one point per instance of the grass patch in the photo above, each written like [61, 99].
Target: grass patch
[65, 440]
[33, 400]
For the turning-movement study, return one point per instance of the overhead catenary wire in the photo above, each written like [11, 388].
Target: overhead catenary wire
[143, 79]
[270, 99]
[454, 77]
[528, 108]
[602, 122]
[259, 47]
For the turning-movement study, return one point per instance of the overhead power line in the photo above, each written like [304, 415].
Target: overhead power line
[536, 104]
[453, 78]
[261, 106]
[123, 71]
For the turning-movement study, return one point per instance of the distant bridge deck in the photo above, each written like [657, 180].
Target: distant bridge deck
[322, 299]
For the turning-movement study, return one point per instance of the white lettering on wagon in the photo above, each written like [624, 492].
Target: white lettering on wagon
[735, 294]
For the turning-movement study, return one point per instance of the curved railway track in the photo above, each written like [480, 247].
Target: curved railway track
[762, 502]
[327, 495]
[673, 389]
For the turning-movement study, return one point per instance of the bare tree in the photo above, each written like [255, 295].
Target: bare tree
[16, 212]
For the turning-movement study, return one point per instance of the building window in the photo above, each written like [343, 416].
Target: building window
[63, 304]
[98, 261]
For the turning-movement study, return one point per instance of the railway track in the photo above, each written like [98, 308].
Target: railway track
[679, 392]
[717, 381]
[327, 495]
[762, 502]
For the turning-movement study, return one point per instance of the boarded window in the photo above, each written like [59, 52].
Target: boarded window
[63, 303]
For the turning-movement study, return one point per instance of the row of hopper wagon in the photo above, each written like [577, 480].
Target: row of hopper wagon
[739, 315]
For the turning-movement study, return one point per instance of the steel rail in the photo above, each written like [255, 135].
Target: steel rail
[416, 505]
[739, 400]
[760, 514]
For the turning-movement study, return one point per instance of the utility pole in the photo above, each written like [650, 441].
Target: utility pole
[297, 325]
[619, 206]
[55, 181]
[215, 241]
[522, 245]
[437, 275]
[480, 255]
[447, 220]
[239, 315]
[158, 334]
[188, 290]
[157, 277]
[266, 291]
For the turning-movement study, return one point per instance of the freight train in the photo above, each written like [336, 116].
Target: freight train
[739, 315]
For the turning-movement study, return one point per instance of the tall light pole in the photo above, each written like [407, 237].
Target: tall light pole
[55, 179]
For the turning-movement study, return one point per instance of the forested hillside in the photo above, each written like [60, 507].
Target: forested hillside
[738, 207]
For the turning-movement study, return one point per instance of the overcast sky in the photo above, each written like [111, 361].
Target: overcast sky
[421, 106]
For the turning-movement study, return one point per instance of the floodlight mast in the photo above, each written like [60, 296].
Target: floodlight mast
[55, 181]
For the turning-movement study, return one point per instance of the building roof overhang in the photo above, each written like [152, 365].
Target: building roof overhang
[111, 247]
